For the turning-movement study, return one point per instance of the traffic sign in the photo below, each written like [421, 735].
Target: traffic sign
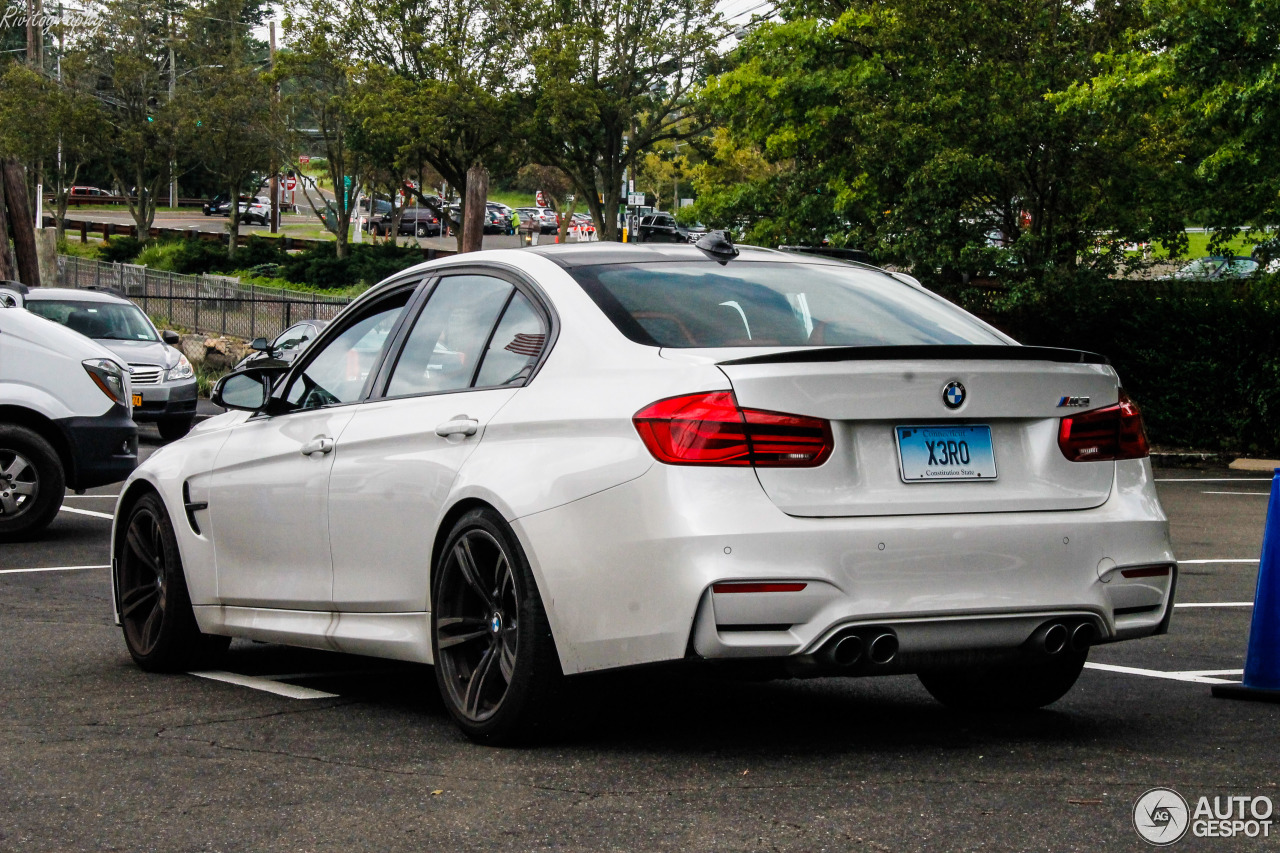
[635, 199]
[304, 159]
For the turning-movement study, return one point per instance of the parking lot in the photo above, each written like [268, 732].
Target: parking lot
[299, 750]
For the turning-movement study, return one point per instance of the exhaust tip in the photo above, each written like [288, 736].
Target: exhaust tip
[1053, 638]
[1084, 636]
[883, 648]
[847, 650]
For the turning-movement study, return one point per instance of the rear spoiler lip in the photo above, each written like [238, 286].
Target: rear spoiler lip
[928, 352]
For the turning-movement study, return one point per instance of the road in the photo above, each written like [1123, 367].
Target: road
[315, 751]
[291, 223]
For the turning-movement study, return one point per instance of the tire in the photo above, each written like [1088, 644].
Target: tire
[421, 230]
[159, 625]
[1017, 686]
[32, 482]
[174, 428]
[488, 623]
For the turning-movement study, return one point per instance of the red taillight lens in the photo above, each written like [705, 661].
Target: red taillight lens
[711, 429]
[1115, 432]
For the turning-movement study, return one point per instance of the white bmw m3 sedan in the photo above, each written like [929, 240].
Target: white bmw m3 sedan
[524, 465]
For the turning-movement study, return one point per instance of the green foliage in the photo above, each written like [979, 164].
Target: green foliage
[1202, 359]
[366, 264]
[120, 250]
[916, 128]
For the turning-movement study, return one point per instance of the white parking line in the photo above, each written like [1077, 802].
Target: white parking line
[86, 512]
[51, 569]
[1193, 677]
[1214, 604]
[1207, 562]
[1258, 494]
[1213, 479]
[266, 685]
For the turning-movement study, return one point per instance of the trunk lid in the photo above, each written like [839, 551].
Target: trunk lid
[867, 393]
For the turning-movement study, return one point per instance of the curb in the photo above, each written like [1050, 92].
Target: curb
[1243, 464]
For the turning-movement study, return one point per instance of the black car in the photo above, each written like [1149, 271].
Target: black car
[661, 228]
[286, 347]
[416, 221]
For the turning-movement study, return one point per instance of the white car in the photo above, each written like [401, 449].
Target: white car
[523, 465]
[65, 416]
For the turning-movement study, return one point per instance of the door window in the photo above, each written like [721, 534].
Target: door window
[339, 372]
[443, 349]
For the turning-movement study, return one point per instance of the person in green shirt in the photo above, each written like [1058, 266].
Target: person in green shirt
[515, 223]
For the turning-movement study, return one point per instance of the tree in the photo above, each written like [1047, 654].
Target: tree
[129, 77]
[229, 119]
[929, 133]
[611, 81]
[555, 187]
[318, 65]
[70, 132]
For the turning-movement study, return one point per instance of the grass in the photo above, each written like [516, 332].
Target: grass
[514, 199]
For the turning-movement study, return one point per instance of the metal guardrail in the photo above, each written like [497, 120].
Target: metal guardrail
[211, 304]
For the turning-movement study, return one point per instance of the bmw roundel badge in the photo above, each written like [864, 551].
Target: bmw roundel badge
[953, 395]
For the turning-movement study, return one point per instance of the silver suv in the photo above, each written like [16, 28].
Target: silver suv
[163, 381]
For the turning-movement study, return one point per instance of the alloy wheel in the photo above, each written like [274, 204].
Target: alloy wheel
[19, 484]
[477, 624]
[144, 574]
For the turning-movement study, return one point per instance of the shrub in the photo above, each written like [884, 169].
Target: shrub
[1202, 359]
[366, 264]
[120, 250]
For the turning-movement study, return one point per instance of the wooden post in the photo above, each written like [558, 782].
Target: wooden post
[474, 209]
[84, 231]
[24, 234]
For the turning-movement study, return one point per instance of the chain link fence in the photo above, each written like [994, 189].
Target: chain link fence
[211, 304]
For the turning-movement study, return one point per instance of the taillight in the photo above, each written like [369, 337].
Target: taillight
[711, 429]
[1115, 432]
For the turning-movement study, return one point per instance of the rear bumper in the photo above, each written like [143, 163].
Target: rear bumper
[103, 449]
[630, 571]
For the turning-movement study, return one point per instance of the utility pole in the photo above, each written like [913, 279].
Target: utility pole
[173, 86]
[275, 158]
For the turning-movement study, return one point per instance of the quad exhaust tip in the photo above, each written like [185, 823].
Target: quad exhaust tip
[847, 650]
[1083, 636]
[883, 648]
[877, 646]
[1053, 638]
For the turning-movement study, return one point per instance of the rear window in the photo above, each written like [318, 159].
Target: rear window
[687, 305]
[104, 321]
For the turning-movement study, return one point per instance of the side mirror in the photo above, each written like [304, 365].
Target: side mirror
[260, 345]
[246, 390]
[170, 337]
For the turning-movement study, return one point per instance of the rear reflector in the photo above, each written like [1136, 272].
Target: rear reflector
[1145, 572]
[757, 587]
[1115, 432]
[711, 429]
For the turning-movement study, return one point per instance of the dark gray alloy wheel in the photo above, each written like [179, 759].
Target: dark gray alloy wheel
[495, 660]
[31, 482]
[159, 625]
[422, 230]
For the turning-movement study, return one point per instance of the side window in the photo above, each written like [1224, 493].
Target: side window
[442, 351]
[339, 371]
[515, 346]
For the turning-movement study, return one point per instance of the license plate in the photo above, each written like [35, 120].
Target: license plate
[137, 400]
[947, 453]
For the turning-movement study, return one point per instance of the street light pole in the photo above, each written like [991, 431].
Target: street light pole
[275, 160]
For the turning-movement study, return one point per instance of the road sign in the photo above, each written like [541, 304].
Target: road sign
[291, 183]
[541, 199]
[635, 199]
[304, 160]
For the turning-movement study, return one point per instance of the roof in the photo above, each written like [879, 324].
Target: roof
[71, 294]
[569, 255]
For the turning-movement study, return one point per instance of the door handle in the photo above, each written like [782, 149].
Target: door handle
[460, 425]
[319, 444]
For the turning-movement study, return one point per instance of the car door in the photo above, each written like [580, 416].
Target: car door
[268, 494]
[475, 342]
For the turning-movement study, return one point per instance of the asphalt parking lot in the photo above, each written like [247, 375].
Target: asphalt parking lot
[296, 750]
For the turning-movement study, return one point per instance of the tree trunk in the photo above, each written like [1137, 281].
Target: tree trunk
[233, 226]
[473, 209]
[24, 235]
[6, 257]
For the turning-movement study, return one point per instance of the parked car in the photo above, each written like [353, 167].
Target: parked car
[417, 221]
[1217, 268]
[287, 345]
[257, 211]
[65, 422]
[495, 222]
[521, 465]
[545, 217]
[79, 192]
[661, 228]
[162, 379]
[381, 206]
